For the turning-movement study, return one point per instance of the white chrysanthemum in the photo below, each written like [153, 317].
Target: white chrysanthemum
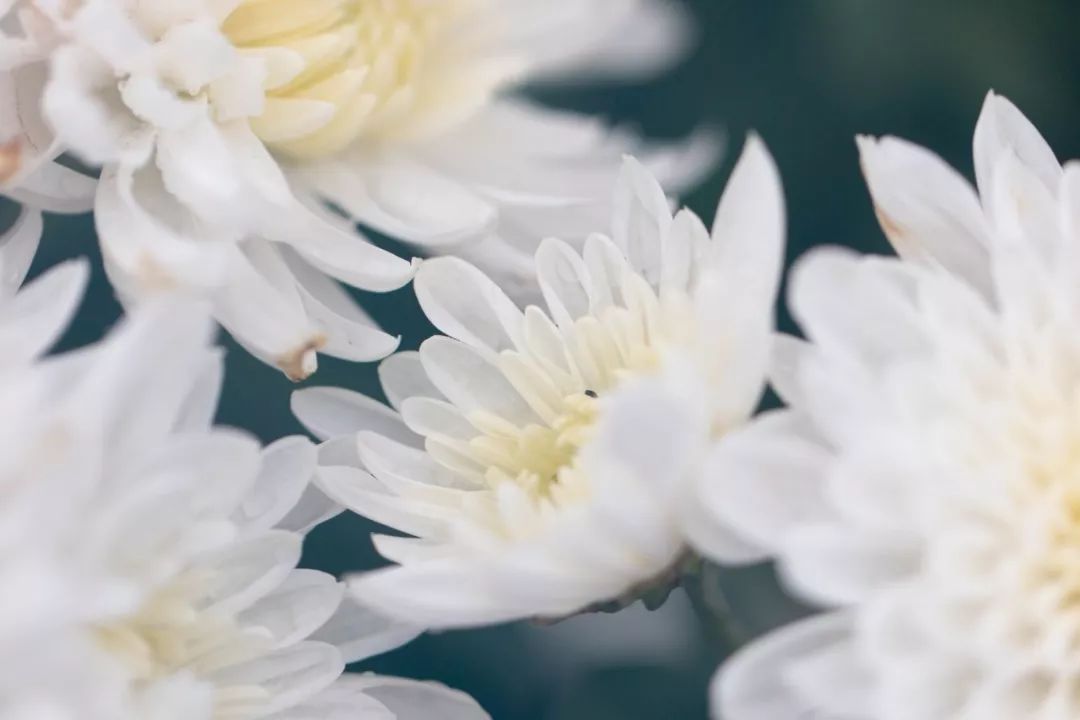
[223, 126]
[536, 486]
[923, 483]
[164, 580]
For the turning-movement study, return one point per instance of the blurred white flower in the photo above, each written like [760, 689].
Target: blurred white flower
[923, 484]
[538, 457]
[223, 128]
[149, 559]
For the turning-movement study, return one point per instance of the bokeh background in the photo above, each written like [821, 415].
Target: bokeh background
[807, 75]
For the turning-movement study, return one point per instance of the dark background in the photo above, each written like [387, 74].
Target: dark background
[807, 75]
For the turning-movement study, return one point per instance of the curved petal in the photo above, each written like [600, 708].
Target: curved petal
[1002, 128]
[287, 467]
[359, 632]
[464, 303]
[333, 412]
[762, 481]
[756, 684]
[415, 700]
[928, 211]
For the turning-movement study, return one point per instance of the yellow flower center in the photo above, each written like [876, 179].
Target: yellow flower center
[171, 633]
[362, 69]
[541, 462]
[539, 458]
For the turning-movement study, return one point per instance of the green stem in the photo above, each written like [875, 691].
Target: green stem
[702, 582]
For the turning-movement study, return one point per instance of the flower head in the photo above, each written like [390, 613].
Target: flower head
[165, 549]
[225, 128]
[922, 485]
[534, 469]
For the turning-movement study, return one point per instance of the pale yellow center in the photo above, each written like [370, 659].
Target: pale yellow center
[539, 458]
[543, 459]
[169, 634]
[361, 69]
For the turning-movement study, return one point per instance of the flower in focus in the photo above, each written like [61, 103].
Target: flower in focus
[538, 457]
[225, 128]
[922, 487]
[160, 578]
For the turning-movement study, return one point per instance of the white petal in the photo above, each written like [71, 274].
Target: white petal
[928, 211]
[832, 565]
[414, 700]
[749, 229]
[260, 307]
[296, 608]
[313, 508]
[197, 167]
[441, 593]
[866, 308]
[564, 281]
[404, 469]
[403, 198]
[642, 219]
[473, 384]
[762, 480]
[150, 254]
[18, 245]
[350, 333]
[361, 493]
[201, 404]
[250, 569]
[465, 304]
[36, 317]
[737, 282]
[1002, 128]
[287, 467]
[359, 632]
[402, 376]
[54, 188]
[337, 250]
[678, 254]
[753, 684]
[290, 675]
[333, 412]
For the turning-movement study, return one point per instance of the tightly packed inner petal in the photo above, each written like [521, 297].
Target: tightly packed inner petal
[172, 632]
[560, 378]
[357, 68]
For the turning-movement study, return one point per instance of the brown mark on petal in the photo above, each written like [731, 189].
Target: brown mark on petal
[897, 235]
[10, 159]
[292, 363]
[153, 277]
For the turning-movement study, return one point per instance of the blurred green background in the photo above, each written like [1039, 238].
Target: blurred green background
[807, 75]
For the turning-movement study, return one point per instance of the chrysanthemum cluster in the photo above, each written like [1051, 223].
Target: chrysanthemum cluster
[581, 434]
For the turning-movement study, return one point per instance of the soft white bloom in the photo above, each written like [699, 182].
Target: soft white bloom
[538, 457]
[225, 126]
[149, 559]
[923, 484]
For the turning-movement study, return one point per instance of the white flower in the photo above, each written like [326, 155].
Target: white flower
[225, 126]
[164, 580]
[538, 457]
[923, 484]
